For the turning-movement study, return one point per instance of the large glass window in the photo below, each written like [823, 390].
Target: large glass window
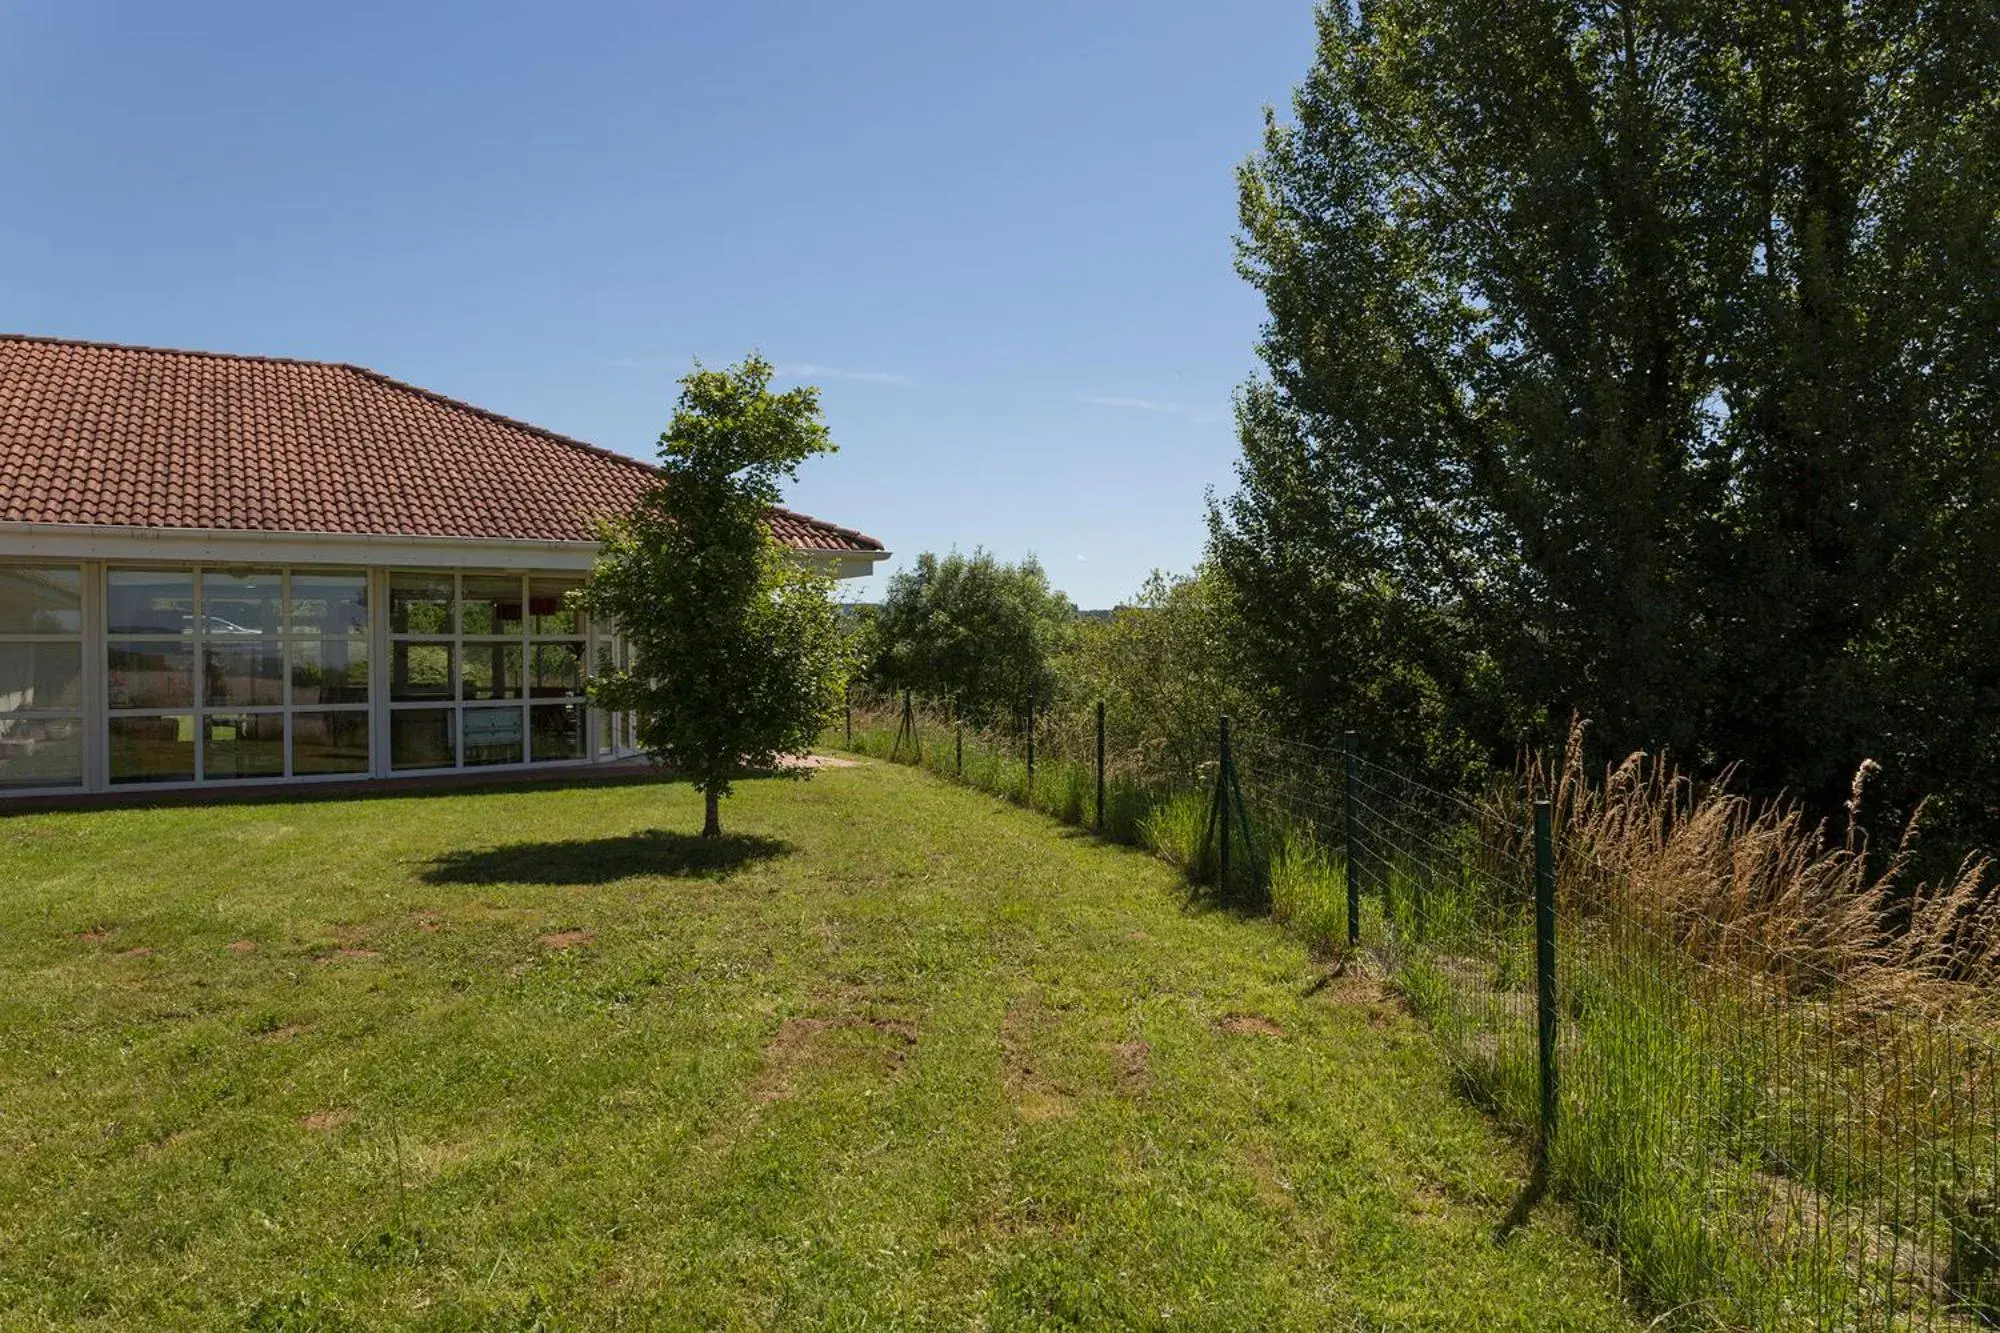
[41, 676]
[41, 599]
[423, 738]
[153, 749]
[204, 669]
[235, 603]
[329, 742]
[149, 601]
[421, 604]
[488, 644]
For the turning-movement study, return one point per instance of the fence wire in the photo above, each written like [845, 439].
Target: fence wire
[1759, 1143]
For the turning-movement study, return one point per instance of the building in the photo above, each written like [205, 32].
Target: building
[236, 569]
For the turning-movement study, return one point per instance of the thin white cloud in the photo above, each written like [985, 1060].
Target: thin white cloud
[1140, 405]
[806, 370]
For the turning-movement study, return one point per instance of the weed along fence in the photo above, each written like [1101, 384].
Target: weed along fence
[1733, 1098]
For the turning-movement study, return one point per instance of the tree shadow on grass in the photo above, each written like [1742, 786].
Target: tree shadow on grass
[603, 860]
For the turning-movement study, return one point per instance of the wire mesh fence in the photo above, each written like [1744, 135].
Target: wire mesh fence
[1761, 1143]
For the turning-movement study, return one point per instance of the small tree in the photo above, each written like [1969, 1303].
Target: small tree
[737, 658]
[971, 630]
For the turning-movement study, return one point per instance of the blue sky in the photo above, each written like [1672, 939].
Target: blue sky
[999, 236]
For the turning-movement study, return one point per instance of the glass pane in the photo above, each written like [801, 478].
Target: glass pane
[557, 669]
[150, 675]
[149, 601]
[492, 736]
[330, 671]
[244, 603]
[243, 675]
[242, 745]
[420, 604]
[492, 604]
[40, 752]
[423, 737]
[330, 743]
[548, 612]
[491, 670]
[152, 749]
[330, 603]
[559, 731]
[38, 599]
[607, 732]
[40, 675]
[420, 671]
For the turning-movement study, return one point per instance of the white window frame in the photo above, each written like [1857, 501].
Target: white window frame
[80, 715]
[199, 640]
[459, 640]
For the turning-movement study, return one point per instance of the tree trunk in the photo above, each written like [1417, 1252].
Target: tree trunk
[712, 826]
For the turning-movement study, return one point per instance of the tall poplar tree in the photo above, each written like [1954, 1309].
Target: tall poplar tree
[1639, 360]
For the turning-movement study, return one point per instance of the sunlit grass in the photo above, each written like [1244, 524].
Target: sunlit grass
[892, 1056]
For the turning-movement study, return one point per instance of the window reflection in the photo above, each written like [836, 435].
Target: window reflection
[422, 738]
[243, 745]
[493, 735]
[330, 671]
[240, 603]
[38, 599]
[149, 601]
[491, 605]
[420, 604]
[243, 675]
[329, 604]
[44, 676]
[152, 749]
[157, 674]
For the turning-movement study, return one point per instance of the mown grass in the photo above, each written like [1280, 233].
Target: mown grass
[892, 1056]
[1753, 1157]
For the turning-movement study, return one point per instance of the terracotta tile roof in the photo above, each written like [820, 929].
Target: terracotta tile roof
[97, 433]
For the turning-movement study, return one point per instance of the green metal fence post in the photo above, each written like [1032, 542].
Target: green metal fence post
[1545, 969]
[847, 698]
[958, 746]
[1100, 767]
[1222, 796]
[1031, 747]
[1353, 851]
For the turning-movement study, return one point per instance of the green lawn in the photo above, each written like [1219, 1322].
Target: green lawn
[901, 1056]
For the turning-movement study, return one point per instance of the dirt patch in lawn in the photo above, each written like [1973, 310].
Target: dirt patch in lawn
[1249, 1025]
[349, 955]
[324, 1122]
[241, 946]
[804, 1043]
[95, 935]
[277, 1034]
[141, 952]
[1039, 1094]
[1134, 1062]
[568, 939]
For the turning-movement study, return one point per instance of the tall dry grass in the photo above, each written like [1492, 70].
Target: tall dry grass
[1760, 886]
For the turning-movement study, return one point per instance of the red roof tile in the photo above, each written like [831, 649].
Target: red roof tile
[96, 433]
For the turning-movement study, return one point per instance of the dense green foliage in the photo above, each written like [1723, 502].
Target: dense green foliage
[737, 657]
[970, 631]
[1637, 361]
[1165, 665]
[893, 1057]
